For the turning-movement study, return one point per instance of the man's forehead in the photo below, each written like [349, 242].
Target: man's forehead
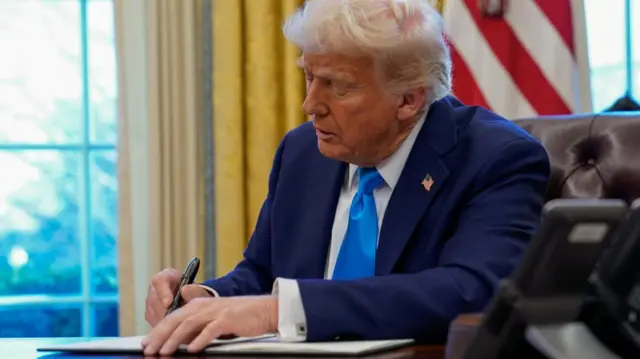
[332, 64]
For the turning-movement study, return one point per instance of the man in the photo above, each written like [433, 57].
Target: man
[396, 209]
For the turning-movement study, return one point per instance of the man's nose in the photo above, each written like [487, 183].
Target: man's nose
[312, 104]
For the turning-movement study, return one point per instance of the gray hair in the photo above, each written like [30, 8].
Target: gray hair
[405, 37]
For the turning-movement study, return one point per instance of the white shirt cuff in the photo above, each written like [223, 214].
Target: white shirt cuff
[292, 323]
[210, 290]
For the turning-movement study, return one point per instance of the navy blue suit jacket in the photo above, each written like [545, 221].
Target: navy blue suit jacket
[440, 253]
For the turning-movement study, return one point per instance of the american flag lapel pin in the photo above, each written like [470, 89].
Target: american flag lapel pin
[427, 182]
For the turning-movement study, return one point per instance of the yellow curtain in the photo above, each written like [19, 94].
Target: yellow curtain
[257, 97]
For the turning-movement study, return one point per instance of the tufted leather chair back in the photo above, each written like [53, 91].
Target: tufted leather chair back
[591, 155]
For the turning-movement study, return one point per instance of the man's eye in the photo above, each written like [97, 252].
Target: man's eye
[340, 90]
[327, 82]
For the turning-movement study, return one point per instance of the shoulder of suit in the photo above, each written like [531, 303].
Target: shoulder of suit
[304, 130]
[301, 141]
[479, 123]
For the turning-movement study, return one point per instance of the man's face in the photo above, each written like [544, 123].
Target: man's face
[355, 119]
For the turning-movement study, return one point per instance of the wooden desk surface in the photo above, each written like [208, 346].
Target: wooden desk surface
[461, 332]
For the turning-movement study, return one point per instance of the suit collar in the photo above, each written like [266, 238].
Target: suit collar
[440, 126]
[440, 133]
[322, 199]
[413, 195]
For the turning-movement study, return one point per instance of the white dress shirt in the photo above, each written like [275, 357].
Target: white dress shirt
[291, 318]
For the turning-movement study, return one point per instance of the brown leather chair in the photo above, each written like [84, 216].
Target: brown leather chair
[591, 155]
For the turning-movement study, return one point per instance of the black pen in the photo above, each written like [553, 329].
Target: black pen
[187, 278]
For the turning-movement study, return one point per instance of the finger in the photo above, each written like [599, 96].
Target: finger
[151, 316]
[192, 291]
[155, 318]
[156, 304]
[210, 332]
[159, 334]
[183, 334]
[165, 283]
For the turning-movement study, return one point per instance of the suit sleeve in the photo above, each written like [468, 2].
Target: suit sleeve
[492, 233]
[253, 275]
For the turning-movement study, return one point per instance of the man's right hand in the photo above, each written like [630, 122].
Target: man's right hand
[161, 292]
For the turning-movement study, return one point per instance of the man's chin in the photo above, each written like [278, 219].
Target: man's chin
[331, 150]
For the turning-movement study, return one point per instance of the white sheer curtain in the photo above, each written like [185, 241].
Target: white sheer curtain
[160, 174]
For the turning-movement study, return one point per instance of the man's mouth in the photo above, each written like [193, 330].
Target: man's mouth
[323, 134]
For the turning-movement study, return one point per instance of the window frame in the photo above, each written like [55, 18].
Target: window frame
[629, 34]
[626, 67]
[87, 299]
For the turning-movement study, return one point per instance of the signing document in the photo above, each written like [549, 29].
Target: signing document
[265, 344]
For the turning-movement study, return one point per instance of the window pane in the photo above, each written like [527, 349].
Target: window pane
[40, 72]
[605, 32]
[40, 321]
[104, 209]
[635, 29]
[106, 319]
[607, 84]
[39, 242]
[606, 40]
[102, 71]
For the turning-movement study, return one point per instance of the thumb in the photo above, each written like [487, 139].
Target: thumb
[192, 291]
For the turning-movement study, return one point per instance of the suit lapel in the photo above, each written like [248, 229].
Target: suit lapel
[411, 197]
[324, 199]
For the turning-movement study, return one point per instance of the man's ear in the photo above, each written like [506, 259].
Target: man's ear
[411, 103]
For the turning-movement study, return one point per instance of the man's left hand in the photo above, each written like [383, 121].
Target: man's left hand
[202, 320]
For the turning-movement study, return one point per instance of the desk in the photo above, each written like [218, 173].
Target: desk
[461, 332]
[26, 349]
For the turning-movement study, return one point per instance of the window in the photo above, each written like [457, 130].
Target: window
[58, 186]
[614, 70]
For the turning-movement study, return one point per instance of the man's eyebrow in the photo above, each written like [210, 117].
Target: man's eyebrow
[324, 72]
[335, 75]
[331, 74]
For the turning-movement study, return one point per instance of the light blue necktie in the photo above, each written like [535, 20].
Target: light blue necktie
[357, 257]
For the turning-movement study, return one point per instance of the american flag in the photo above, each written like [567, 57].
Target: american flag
[427, 182]
[529, 59]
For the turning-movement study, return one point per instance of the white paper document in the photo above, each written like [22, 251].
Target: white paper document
[274, 346]
[268, 344]
[128, 344]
